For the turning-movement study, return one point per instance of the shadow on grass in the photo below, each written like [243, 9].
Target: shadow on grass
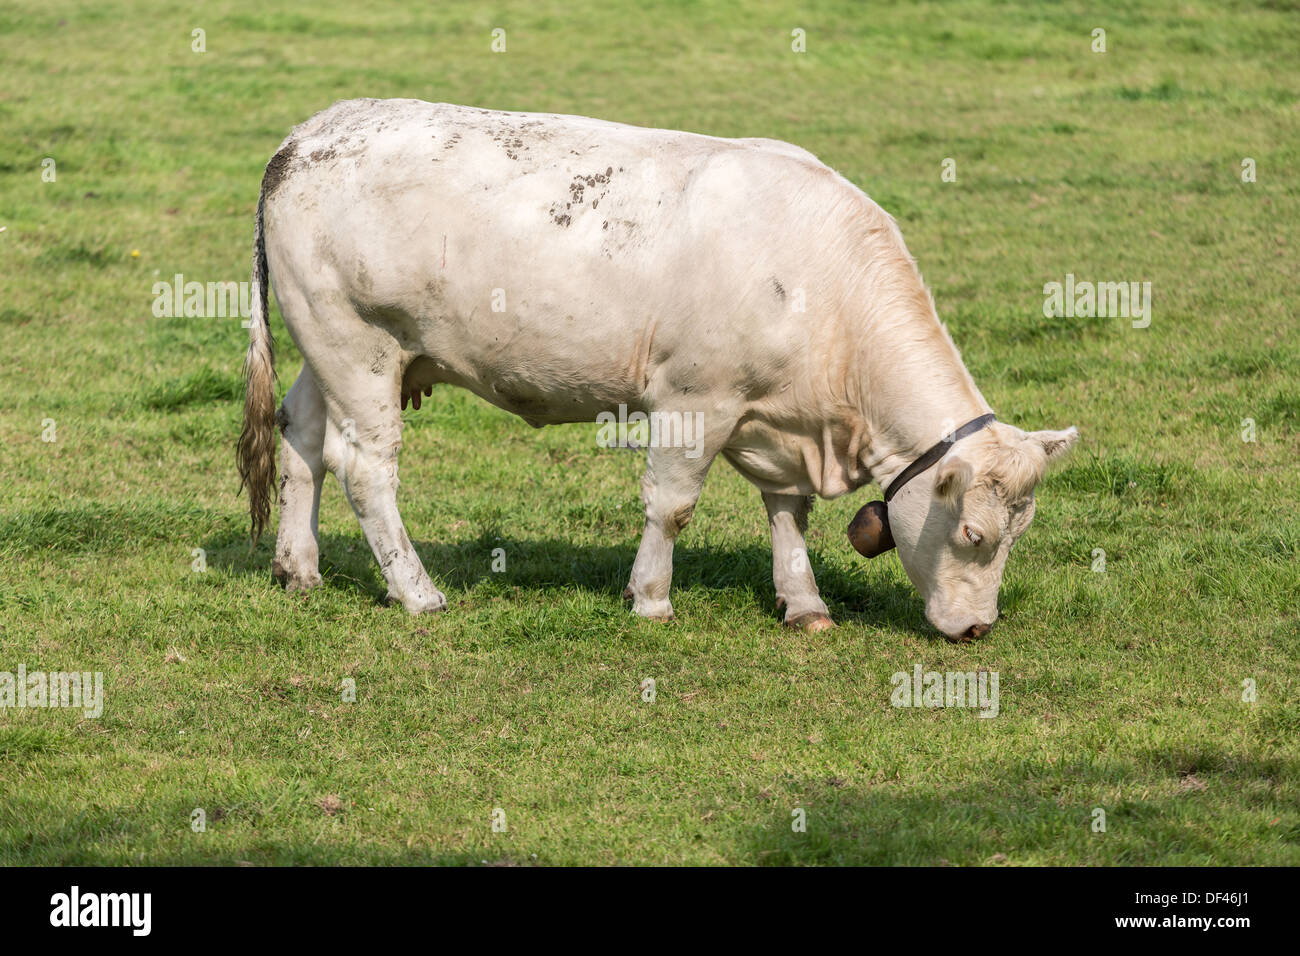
[346, 562]
[1013, 812]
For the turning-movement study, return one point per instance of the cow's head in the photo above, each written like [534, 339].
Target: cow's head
[955, 524]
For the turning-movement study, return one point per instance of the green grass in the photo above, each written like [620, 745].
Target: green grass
[1119, 690]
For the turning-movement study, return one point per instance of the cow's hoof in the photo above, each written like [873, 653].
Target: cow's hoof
[651, 610]
[301, 583]
[812, 623]
[295, 581]
[431, 604]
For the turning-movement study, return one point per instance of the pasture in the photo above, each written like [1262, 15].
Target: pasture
[1147, 649]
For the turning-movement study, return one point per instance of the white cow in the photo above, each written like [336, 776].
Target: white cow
[561, 267]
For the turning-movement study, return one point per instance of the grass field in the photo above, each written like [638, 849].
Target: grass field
[1120, 689]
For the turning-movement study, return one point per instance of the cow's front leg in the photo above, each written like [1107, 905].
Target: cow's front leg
[796, 589]
[670, 488]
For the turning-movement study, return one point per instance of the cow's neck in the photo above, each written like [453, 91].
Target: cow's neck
[918, 393]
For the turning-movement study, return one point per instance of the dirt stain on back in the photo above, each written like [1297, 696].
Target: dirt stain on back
[277, 170]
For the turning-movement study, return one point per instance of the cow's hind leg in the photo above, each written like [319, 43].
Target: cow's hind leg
[363, 432]
[796, 589]
[362, 444]
[302, 471]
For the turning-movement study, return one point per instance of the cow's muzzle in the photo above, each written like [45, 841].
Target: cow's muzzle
[869, 530]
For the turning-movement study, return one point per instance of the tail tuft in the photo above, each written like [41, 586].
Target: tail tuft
[256, 452]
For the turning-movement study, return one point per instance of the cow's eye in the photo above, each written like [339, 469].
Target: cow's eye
[973, 536]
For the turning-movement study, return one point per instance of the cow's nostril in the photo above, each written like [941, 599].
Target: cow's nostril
[976, 631]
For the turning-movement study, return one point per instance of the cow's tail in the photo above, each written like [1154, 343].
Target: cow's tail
[257, 440]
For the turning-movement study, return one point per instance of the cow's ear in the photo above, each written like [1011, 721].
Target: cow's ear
[1055, 445]
[953, 476]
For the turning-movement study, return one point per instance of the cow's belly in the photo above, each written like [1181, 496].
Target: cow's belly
[530, 389]
[552, 364]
